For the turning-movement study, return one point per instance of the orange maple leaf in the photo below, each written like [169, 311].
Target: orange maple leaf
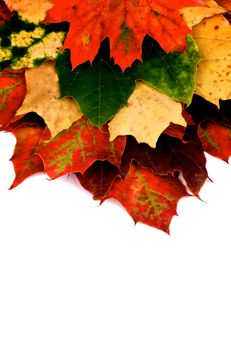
[124, 22]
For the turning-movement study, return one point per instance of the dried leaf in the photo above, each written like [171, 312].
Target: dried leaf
[30, 10]
[147, 115]
[42, 97]
[213, 37]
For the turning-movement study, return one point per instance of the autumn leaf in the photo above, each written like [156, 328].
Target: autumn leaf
[91, 22]
[42, 97]
[24, 44]
[5, 13]
[30, 10]
[195, 15]
[75, 149]
[225, 3]
[202, 110]
[99, 88]
[147, 115]
[29, 135]
[147, 197]
[216, 139]
[173, 74]
[213, 37]
[98, 178]
[12, 93]
[171, 155]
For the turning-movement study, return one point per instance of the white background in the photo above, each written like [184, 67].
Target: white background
[75, 275]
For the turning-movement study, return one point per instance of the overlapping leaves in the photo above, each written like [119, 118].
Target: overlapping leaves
[126, 133]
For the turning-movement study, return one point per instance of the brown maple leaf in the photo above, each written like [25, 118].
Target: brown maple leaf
[125, 23]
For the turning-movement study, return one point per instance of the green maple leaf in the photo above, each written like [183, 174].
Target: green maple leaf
[172, 74]
[100, 88]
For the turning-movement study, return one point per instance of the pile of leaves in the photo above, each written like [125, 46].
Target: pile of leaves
[125, 94]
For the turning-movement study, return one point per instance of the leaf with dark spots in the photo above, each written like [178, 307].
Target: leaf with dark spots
[29, 133]
[78, 147]
[216, 139]
[148, 198]
[12, 92]
[98, 178]
[170, 155]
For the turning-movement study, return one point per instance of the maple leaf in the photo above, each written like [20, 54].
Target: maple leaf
[32, 11]
[213, 37]
[99, 88]
[75, 149]
[5, 13]
[12, 93]
[147, 115]
[202, 110]
[147, 197]
[216, 139]
[173, 74]
[29, 135]
[224, 3]
[195, 15]
[125, 23]
[43, 95]
[24, 44]
[98, 178]
[171, 155]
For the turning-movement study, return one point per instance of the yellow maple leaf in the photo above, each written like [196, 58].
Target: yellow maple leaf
[148, 114]
[194, 15]
[30, 10]
[42, 97]
[213, 37]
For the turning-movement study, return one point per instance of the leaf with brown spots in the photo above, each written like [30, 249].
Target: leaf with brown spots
[147, 115]
[12, 93]
[29, 135]
[91, 22]
[216, 139]
[43, 98]
[148, 198]
[213, 37]
[194, 15]
[77, 148]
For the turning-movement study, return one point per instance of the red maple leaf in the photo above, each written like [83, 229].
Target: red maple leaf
[124, 22]
[29, 135]
[77, 148]
[12, 93]
[148, 198]
[216, 139]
